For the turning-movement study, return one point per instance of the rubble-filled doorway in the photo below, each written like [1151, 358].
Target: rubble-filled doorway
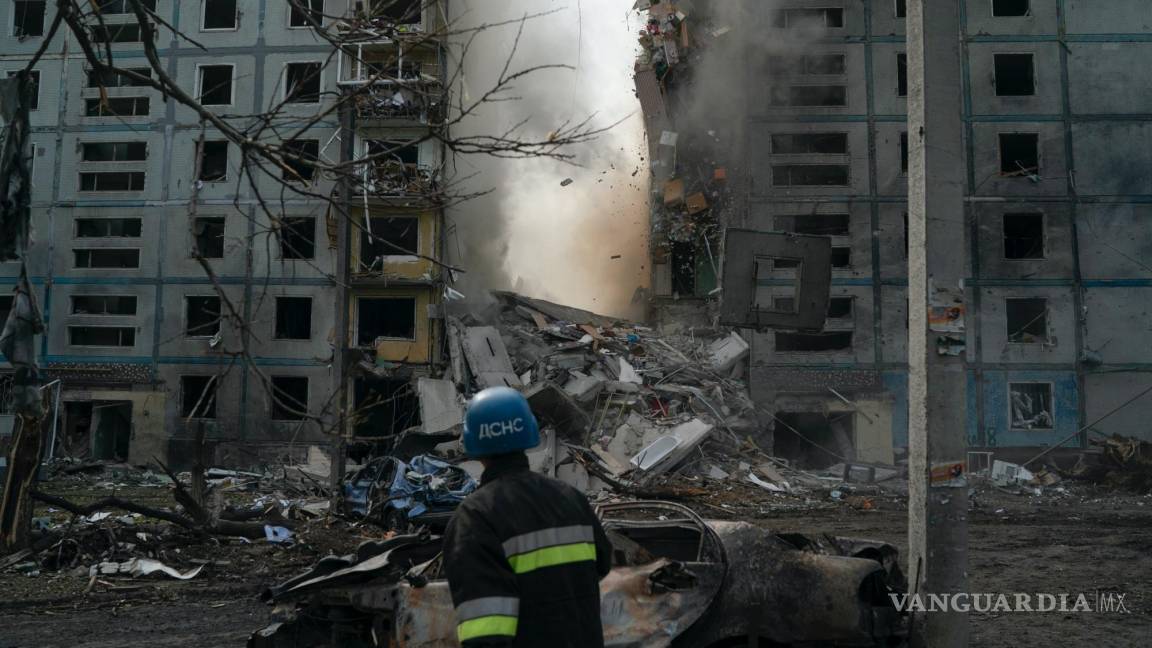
[385, 407]
[100, 430]
[813, 440]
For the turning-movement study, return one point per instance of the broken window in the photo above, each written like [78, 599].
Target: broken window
[289, 398]
[400, 12]
[904, 152]
[315, 13]
[117, 33]
[218, 14]
[103, 304]
[384, 407]
[813, 440]
[1019, 154]
[112, 181]
[28, 18]
[816, 224]
[901, 75]
[302, 82]
[214, 161]
[106, 258]
[1031, 406]
[201, 316]
[1015, 75]
[841, 257]
[1023, 236]
[198, 397]
[810, 143]
[108, 227]
[297, 237]
[840, 308]
[102, 336]
[114, 152]
[391, 236]
[1009, 8]
[813, 342]
[293, 318]
[1027, 320]
[113, 80]
[117, 107]
[35, 102]
[209, 236]
[392, 318]
[901, 8]
[828, 17]
[300, 156]
[810, 175]
[216, 85]
[810, 96]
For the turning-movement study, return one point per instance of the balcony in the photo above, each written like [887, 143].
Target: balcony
[399, 105]
[385, 177]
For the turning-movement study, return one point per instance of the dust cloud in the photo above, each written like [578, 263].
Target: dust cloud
[584, 242]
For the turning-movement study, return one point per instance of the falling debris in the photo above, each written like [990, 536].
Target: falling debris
[565, 182]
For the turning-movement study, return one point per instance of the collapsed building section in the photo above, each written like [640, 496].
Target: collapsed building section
[785, 117]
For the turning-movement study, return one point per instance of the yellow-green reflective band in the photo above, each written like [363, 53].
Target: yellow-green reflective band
[487, 626]
[551, 556]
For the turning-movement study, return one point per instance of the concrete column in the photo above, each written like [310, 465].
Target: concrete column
[937, 402]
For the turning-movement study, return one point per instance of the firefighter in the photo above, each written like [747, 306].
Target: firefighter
[524, 553]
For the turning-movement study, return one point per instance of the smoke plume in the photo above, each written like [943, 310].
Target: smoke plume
[584, 242]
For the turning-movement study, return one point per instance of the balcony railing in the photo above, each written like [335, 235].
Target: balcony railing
[383, 177]
[419, 103]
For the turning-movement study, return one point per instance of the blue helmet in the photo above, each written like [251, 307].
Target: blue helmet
[499, 421]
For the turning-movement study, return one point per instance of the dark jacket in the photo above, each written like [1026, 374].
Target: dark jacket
[524, 556]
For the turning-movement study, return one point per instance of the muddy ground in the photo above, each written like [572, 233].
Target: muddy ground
[1080, 541]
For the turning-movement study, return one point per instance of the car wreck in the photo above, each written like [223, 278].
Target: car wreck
[397, 494]
[677, 580]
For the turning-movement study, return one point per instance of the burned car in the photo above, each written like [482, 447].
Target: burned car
[677, 580]
[423, 491]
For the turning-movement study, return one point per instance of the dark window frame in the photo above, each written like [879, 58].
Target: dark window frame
[103, 107]
[79, 227]
[1004, 63]
[35, 104]
[1050, 397]
[88, 253]
[793, 169]
[313, 75]
[191, 395]
[901, 74]
[123, 332]
[297, 17]
[1027, 9]
[99, 181]
[1016, 167]
[809, 143]
[1016, 330]
[1007, 237]
[281, 325]
[119, 151]
[415, 320]
[17, 6]
[201, 236]
[205, 14]
[278, 411]
[217, 85]
[207, 329]
[297, 243]
[217, 171]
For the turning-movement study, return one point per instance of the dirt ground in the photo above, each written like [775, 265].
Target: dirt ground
[1080, 541]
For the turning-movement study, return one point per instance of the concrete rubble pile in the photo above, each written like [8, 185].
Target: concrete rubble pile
[622, 407]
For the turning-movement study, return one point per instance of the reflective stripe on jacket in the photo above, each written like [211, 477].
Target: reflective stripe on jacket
[524, 555]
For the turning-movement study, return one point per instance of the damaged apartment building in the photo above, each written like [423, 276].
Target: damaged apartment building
[812, 142]
[147, 358]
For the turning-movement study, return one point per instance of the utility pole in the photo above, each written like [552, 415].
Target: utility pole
[937, 265]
